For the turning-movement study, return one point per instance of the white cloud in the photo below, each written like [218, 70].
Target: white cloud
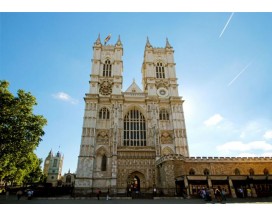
[268, 134]
[240, 146]
[214, 120]
[65, 97]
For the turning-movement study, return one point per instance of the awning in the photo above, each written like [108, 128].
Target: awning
[223, 178]
[197, 178]
[180, 178]
[238, 177]
[259, 177]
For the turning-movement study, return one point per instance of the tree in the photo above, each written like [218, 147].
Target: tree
[20, 134]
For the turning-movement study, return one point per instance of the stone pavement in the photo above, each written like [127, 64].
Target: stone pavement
[12, 199]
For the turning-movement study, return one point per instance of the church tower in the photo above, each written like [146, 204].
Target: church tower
[125, 133]
[53, 167]
[160, 85]
[97, 161]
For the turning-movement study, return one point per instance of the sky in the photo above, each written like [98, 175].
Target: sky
[223, 66]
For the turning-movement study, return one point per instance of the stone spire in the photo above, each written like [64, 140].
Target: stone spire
[168, 44]
[119, 43]
[148, 43]
[98, 42]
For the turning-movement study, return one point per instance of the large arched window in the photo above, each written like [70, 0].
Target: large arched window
[107, 68]
[104, 113]
[104, 163]
[160, 70]
[164, 114]
[134, 129]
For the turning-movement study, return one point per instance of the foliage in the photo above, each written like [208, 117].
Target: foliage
[20, 135]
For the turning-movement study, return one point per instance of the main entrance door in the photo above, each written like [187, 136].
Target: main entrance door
[135, 184]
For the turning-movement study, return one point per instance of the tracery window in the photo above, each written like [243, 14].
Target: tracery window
[104, 113]
[134, 129]
[160, 70]
[104, 163]
[107, 68]
[164, 114]
[206, 172]
[192, 172]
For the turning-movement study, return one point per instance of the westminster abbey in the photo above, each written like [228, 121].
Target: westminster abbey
[135, 140]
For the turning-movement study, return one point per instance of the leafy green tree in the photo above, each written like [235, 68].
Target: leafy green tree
[20, 135]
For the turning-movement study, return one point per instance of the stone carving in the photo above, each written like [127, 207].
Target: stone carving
[105, 88]
[166, 138]
[167, 151]
[102, 138]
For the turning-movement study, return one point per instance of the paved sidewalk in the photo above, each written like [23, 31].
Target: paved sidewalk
[12, 199]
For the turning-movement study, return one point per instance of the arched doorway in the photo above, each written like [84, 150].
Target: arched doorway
[135, 183]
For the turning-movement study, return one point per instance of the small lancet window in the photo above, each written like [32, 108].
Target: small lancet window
[237, 171]
[192, 172]
[265, 171]
[164, 115]
[251, 172]
[206, 172]
[104, 163]
[104, 113]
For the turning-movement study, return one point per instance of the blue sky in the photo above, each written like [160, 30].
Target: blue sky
[223, 64]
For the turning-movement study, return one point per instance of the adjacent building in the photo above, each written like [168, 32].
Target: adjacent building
[53, 167]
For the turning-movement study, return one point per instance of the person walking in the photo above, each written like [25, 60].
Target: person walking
[19, 194]
[98, 192]
[223, 193]
[108, 194]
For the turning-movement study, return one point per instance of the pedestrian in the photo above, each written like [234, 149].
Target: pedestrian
[212, 195]
[108, 194]
[7, 193]
[29, 194]
[19, 194]
[155, 191]
[98, 192]
[218, 195]
[223, 193]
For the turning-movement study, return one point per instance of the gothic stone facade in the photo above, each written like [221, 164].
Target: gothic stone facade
[137, 138]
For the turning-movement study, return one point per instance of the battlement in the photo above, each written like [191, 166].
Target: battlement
[212, 159]
[220, 159]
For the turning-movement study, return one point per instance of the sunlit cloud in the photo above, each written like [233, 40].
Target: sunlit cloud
[243, 70]
[214, 120]
[252, 128]
[268, 134]
[226, 25]
[65, 97]
[244, 147]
